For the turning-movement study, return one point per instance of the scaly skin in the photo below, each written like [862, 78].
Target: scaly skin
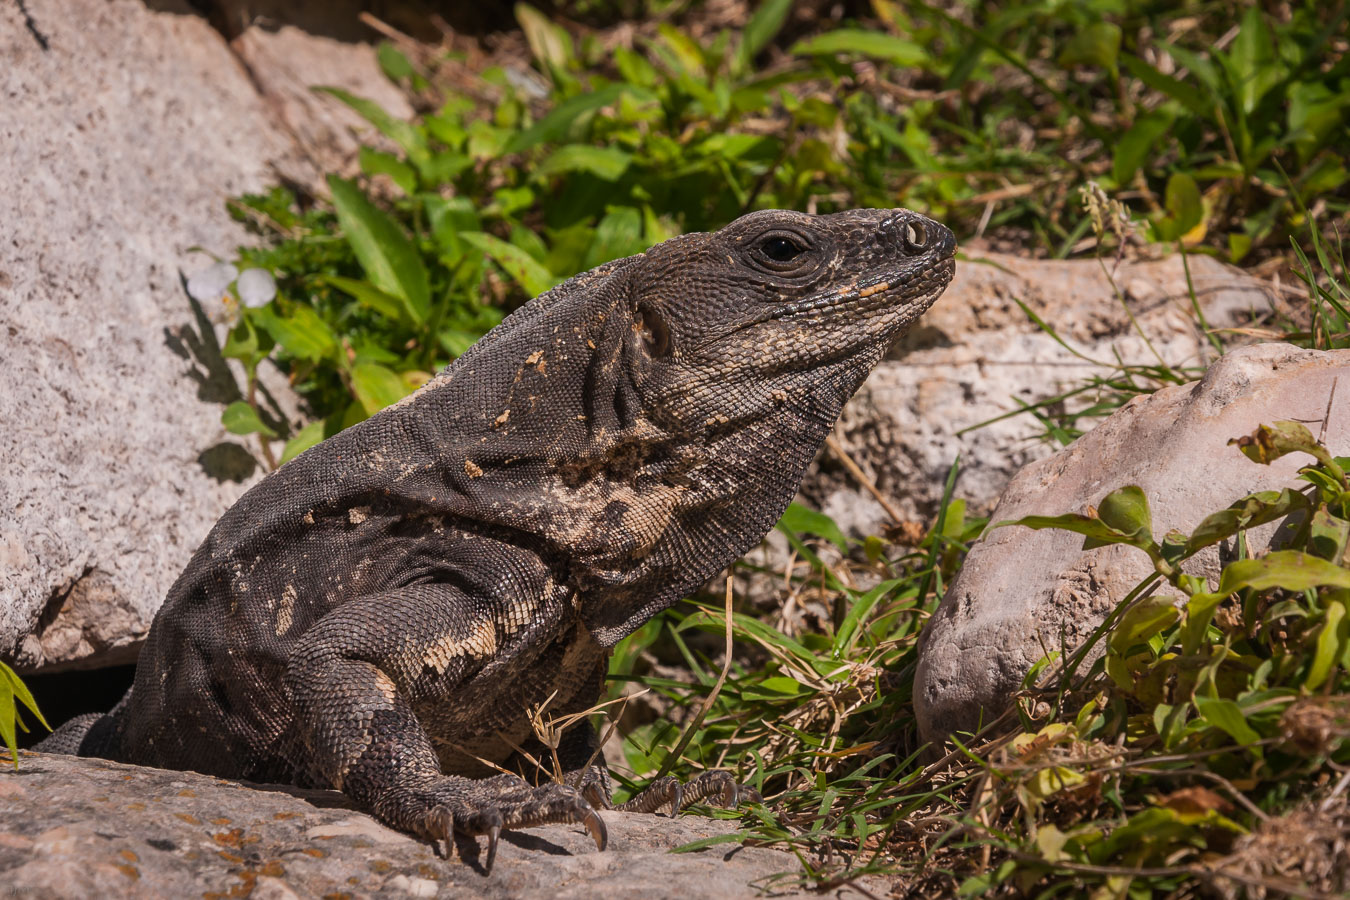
[381, 613]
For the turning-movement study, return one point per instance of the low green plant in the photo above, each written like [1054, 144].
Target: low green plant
[13, 689]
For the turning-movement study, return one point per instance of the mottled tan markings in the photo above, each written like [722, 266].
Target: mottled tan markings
[479, 643]
[472, 469]
[286, 609]
[358, 514]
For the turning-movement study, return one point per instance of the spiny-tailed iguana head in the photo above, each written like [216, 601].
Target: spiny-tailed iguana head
[781, 298]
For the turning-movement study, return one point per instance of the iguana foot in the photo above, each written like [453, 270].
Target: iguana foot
[668, 792]
[504, 802]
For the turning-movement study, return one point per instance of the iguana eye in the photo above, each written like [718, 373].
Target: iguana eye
[781, 249]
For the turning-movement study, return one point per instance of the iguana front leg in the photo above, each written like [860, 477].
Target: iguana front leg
[353, 680]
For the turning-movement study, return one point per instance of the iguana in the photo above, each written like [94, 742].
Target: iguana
[381, 613]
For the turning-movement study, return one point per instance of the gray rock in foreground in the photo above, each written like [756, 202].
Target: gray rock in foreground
[89, 828]
[1019, 589]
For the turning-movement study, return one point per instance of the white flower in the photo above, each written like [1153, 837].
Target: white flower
[256, 287]
[210, 284]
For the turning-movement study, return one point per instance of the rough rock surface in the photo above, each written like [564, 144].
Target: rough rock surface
[124, 130]
[975, 351]
[1020, 588]
[90, 828]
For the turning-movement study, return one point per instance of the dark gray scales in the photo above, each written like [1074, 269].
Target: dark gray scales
[381, 613]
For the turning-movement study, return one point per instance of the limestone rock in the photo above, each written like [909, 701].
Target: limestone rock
[90, 828]
[1019, 589]
[125, 129]
[975, 351]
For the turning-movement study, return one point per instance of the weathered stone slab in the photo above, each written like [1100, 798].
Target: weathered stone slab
[89, 828]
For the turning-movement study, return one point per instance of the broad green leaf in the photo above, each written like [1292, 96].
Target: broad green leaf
[619, 234]
[1126, 511]
[1269, 442]
[528, 272]
[1331, 643]
[1097, 44]
[370, 296]
[377, 162]
[377, 387]
[1187, 95]
[1292, 570]
[1227, 717]
[389, 258]
[1255, 65]
[1096, 532]
[550, 44]
[760, 30]
[1136, 144]
[305, 438]
[1142, 621]
[873, 44]
[241, 418]
[301, 332]
[799, 519]
[1249, 512]
[1185, 208]
[1328, 536]
[554, 126]
[607, 163]
[393, 62]
[405, 134]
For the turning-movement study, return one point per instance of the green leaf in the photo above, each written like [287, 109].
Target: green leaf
[1188, 95]
[858, 610]
[302, 332]
[1126, 511]
[760, 30]
[1269, 442]
[1255, 65]
[1292, 570]
[1331, 642]
[606, 163]
[1097, 44]
[1142, 621]
[241, 418]
[305, 438]
[1184, 205]
[368, 295]
[395, 65]
[1227, 717]
[550, 44]
[389, 258]
[1249, 512]
[554, 126]
[527, 271]
[377, 162]
[1135, 145]
[377, 387]
[405, 134]
[798, 519]
[873, 44]
[619, 234]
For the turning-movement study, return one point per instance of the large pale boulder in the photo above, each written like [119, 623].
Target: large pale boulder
[90, 828]
[976, 352]
[124, 129]
[1021, 591]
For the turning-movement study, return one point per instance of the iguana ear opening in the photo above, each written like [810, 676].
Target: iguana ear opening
[652, 330]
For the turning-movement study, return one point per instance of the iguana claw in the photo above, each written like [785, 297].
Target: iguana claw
[596, 826]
